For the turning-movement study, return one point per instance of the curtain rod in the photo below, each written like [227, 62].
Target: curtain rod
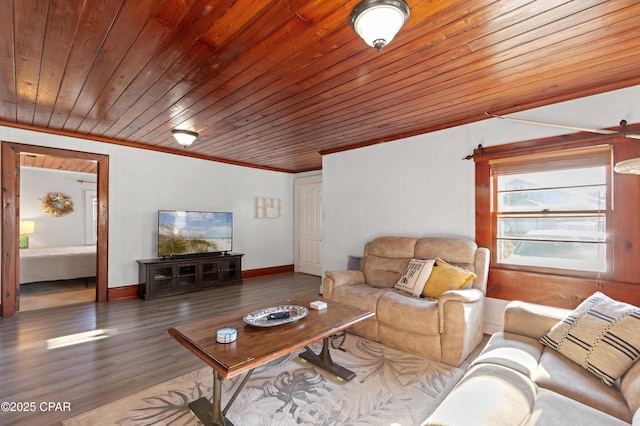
[623, 124]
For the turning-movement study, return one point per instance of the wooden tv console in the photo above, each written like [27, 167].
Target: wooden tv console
[160, 277]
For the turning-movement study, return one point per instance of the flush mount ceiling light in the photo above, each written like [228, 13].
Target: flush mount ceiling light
[184, 137]
[378, 21]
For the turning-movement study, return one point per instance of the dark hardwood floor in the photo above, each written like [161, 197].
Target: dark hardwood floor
[49, 294]
[113, 349]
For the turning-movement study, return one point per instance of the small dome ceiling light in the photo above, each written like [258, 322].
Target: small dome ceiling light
[378, 21]
[184, 137]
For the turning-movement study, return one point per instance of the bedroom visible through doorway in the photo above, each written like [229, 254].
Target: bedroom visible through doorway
[58, 266]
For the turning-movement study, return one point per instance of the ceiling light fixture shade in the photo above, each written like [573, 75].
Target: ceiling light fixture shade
[628, 167]
[184, 137]
[378, 21]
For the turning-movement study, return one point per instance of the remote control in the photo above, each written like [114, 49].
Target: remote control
[279, 315]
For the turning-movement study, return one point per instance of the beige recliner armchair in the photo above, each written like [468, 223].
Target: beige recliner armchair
[447, 329]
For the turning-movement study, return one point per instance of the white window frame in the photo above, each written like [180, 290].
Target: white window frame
[91, 216]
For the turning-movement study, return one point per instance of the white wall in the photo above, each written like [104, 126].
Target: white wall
[142, 182]
[415, 186]
[50, 231]
[421, 186]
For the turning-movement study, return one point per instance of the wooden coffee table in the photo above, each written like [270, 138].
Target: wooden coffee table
[256, 346]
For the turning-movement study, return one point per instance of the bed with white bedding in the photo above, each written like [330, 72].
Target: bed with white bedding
[57, 263]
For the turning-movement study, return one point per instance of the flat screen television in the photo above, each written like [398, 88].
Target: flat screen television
[182, 233]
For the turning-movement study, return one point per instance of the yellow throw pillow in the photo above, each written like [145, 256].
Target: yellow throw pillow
[444, 277]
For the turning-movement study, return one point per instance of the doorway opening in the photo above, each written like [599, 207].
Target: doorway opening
[11, 153]
[58, 258]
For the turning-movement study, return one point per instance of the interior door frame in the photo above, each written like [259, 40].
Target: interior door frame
[10, 217]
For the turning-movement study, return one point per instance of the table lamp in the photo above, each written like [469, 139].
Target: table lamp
[26, 227]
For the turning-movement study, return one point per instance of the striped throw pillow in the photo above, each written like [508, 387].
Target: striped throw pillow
[601, 334]
[415, 276]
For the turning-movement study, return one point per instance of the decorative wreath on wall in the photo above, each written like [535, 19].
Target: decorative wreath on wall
[57, 204]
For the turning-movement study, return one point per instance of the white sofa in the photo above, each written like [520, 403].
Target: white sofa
[518, 381]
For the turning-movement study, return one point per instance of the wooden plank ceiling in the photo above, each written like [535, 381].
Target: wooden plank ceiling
[275, 83]
[58, 163]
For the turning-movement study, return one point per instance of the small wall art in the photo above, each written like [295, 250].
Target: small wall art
[57, 204]
[267, 208]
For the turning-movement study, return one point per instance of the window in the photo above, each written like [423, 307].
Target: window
[551, 211]
[616, 217]
[91, 216]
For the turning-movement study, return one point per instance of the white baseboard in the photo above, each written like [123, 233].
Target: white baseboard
[494, 315]
[492, 328]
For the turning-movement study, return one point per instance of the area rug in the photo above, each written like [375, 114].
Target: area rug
[391, 388]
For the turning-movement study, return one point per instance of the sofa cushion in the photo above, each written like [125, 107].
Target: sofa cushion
[385, 260]
[601, 335]
[425, 345]
[358, 295]
[487, 395]
[630, 387]
[529, 319]
[552, 409]
[513, 351]
[458, 251]
[400, 310]
[415, 276]
[383, 272]
[392, 247]
[561, 375]
[444, 277]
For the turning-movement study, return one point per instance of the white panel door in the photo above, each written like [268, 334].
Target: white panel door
[310, 228]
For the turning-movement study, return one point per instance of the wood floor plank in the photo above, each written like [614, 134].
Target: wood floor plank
[136, 353]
